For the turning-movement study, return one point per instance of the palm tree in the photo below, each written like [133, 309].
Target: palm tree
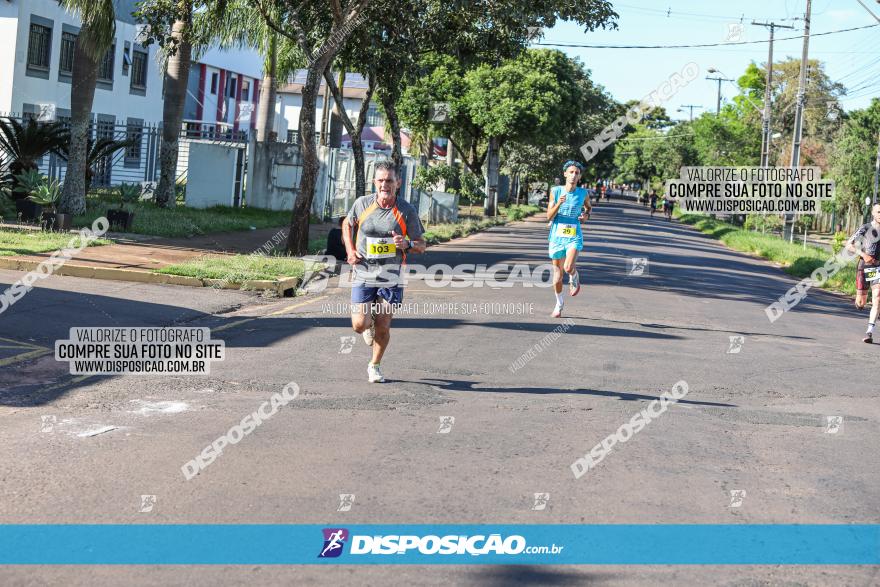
[236, 24]
[22, 145]
[103, 148]
[178, 64]
[95, 38]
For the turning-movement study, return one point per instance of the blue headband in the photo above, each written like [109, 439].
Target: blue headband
[570, 163]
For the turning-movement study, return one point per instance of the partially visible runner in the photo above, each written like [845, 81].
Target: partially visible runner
[568, 207]
[652, 198]
[868, 268]
[379, 231]
[668, 205]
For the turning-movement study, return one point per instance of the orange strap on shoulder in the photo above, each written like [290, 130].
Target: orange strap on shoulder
[401, 222]
[363, 216]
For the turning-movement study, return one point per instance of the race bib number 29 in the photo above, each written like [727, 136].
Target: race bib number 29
[566, 230]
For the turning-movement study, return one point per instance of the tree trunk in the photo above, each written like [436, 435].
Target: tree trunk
[359, 163]
[298, 238]
[176, 81]
[268, 90]
[388, 104]
[82, 95]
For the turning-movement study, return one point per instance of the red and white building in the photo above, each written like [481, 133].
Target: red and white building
[224, 90]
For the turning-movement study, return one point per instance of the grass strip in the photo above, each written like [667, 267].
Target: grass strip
[180, 221]
[795, 259]
[439, 233]
[32, 242]
[237, 268]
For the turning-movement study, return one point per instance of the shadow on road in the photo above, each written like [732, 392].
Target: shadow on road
[461, 385]
[498, 576]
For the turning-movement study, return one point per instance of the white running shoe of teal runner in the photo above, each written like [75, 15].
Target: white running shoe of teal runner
[574, 285]
[375, 374]
[557, 311]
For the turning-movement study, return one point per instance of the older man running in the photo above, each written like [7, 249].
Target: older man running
[381, 229]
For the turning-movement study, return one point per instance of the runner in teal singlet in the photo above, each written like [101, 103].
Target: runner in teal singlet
[566, 211]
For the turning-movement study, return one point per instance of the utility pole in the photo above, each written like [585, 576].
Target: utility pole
[490, 205]
[765, 123]
[876, 171]
[718, 101]
[691, 107]
[799, 112]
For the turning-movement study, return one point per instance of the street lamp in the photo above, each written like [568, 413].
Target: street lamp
[719, 80]
[691, 107]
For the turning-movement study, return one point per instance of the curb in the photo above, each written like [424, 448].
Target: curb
[279, 286]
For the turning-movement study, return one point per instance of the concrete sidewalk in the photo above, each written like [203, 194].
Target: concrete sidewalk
[146, 253]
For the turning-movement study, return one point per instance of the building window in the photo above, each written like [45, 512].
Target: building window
[39, 46]
[105, 68]
[214, 83]
[68, 46]
[134, 132]
[245, 91]
[232, 81]
[139, 70]
[374, 117]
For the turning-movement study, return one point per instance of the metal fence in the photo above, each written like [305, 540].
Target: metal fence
[340, 193]
[139, 161]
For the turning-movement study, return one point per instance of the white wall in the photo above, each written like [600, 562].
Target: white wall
[8, 26]
[119, 101]
[287, 109]
[242, 61]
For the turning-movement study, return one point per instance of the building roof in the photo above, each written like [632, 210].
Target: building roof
[124, 10]
[355, 84]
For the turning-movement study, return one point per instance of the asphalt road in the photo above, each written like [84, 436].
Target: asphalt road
[755, 420]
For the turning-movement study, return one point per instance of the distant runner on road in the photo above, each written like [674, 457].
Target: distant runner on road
[652, 198]
[668, 205]
[868, 268]
[379, 231]
[568, 207]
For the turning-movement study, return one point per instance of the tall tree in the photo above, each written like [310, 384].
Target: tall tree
[170, 23]
[320, 36]
[853, 158]
[235, 24]
[94, 40]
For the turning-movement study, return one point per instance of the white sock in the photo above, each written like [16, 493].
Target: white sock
[559, 298]
[573, 277]
[870, 328]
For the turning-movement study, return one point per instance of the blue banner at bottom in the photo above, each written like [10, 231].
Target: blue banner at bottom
[248, 544]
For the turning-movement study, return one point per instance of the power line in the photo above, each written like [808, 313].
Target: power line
[669, 13]
[577, 46]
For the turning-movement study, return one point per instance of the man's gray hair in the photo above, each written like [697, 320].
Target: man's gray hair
[386, 164]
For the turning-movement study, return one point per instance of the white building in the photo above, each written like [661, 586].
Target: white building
[36, 63]
[289, 103]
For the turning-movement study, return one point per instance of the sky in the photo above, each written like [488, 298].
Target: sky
[853, 58]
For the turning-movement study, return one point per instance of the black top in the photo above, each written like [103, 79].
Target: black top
[871, 240]
[335, 246]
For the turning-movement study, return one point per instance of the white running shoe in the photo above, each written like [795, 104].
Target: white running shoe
[370, 334]
[574, 285]
[557, 311]
[374, 374]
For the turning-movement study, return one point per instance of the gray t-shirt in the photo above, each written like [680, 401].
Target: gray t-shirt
[374, 241]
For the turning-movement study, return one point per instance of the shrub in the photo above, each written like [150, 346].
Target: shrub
[837, 241]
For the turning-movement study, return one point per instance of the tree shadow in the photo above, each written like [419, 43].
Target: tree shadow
[469, 386]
